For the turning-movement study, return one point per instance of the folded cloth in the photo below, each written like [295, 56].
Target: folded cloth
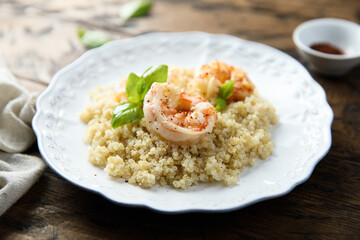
[18, 172]
[17, 108]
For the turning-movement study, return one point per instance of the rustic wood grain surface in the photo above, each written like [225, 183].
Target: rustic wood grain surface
[38, 37]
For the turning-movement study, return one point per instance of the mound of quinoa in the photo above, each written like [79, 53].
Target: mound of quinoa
[241, 136]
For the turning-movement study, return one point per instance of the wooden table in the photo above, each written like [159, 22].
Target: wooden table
[37, 38]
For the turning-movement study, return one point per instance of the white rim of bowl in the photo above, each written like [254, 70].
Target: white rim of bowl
[308, 50]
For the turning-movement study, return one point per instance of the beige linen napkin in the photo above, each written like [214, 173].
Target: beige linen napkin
[18, 172]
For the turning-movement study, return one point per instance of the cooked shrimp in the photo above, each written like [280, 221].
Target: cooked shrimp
[211, 76]
[176, 116]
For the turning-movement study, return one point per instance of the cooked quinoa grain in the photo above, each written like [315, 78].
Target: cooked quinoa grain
[240, 137]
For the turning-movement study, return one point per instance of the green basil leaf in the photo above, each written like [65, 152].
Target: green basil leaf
[135, 8]
[226, 90]
[135, 87]
[157, 73]
[125, 113]
[220, 103]
[81, 31]
[93, 39]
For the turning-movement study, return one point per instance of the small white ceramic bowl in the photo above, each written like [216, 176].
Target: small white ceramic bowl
[338, 32]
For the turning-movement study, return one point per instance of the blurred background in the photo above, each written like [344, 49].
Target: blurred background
[37, 38]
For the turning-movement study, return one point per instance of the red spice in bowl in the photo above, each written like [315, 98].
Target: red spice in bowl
[327, 48]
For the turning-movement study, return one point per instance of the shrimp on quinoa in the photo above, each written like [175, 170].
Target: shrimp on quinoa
[176, 116]
[209, 78]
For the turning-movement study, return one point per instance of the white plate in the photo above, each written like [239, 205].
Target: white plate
[302, 135]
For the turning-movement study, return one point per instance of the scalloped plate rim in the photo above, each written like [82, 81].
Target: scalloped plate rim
[281, 192]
